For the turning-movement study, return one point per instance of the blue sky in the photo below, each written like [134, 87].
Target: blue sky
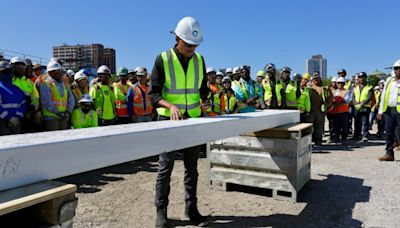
[355, 35]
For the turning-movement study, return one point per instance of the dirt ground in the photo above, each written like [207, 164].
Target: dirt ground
[349, 187]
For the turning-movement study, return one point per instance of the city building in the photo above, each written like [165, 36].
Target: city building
[317, 63]
[109, 59]
[83, 56]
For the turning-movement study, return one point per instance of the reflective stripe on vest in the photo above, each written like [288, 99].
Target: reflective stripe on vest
[304, 103]
[180, 89]
[291, 100]
[138, 101]
[268, 92]
[388, 84]
[58, 101]
[82, 117]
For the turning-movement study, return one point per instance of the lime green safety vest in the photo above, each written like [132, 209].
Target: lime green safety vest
[29, 89]
[388, 84]
[304, 102]
[103, 97]
[361, 96]
[229, 103]
[377, 95]
[268, 92]
[60, 102]
[82, 120]
[347, 85]
[180, 89]
[291, 100]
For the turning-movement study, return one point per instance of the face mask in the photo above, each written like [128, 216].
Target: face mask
[86, 108]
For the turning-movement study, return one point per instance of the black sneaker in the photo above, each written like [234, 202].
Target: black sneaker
[193, 215]
[162, 220]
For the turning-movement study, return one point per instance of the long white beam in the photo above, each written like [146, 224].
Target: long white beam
[29, 158]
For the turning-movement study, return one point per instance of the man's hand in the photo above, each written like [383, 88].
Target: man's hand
[175, 112]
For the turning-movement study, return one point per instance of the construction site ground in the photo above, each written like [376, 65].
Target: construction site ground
[349, 187]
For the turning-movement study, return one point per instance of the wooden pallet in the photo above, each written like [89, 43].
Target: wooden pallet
[50, 202]
[290, 131]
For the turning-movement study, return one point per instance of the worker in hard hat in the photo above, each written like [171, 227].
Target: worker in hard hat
[342, 73]
[178, 83]
[218, 79]
[374, 108]
[120, 91]
[12, 102]
[103, 97]
[304, 102]
[273, 88]
[140, 108]
[57, 100]
[31, 94]
[260, 104]
[290, 88]
[235, 77]
[214, 89]
[362, 100]
[132, 79]
[329, 113]
[84, 116]
[319, 97]
[37, 72]
[389, 110]
[29, 70]
[69, 77]
[339, 111]
[225, 101]
[246, 93]
[80, 86]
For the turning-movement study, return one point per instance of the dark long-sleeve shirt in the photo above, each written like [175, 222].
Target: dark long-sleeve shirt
[158, 78]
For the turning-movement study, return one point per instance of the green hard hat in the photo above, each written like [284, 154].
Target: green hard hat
[261, 73]
[123, 71]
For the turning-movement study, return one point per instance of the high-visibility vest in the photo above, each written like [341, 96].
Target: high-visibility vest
[347, 85]
[246, 94]
[81, 120]
[141, 99]
[377, 95]
[120, 92]
[225, 104]
[361, 96]
[339, 96]
[58, 101]
[388, 84]
[29, 89]
[304, 102]
[180, 89]
[103, 101]
[214, 89]
[76, 91]
[291, 99]
[268, 92]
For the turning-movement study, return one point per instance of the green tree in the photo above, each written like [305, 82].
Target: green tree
[373, 80]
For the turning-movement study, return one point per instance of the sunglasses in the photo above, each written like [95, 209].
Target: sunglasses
[396, 68]
[190, 45]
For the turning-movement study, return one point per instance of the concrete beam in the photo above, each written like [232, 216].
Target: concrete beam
[30, 158]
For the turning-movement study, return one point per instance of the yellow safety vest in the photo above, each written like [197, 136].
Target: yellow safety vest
[229, 103]
[180, 89]
[268, 92]
[304, 102]
[60, 102]
[361, 96]
[103, 97]
[82, 120]
[291, 100]
[388, 84]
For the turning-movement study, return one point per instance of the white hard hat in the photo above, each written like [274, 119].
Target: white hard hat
[381, 82]
[340, 79]
[17, 59]
[211, 69]
[236, 70]
[86, 98]
[397, 63]
[334, 79]
[103, 69]
[80, 75]
[52, 65]
[392, 73]
[226, 78]
[70, 72]
[219, 73]
[141, 71]
[228, 70]
[188, 29]
[376, 88]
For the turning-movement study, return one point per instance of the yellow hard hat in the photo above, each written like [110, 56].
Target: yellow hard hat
[260, 73]
[306, 76]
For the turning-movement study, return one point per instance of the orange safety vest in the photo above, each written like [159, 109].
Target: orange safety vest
[338, 96]
[138, 104]
[120, 105]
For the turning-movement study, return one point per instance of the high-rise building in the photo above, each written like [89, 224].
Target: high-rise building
[109, 59]
[82, 56]
[317, 63]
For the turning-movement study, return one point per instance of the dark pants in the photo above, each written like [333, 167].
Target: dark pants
[372, 118]
[318, 120]
[123, 120]
[103, 122]
[350, 120]
[392, 122]
[361, 122]
[340, 121]
[56, 124]
[332, 132]
[166, 164]
[303, 118]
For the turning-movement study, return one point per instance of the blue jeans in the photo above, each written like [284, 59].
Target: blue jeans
[361, 122]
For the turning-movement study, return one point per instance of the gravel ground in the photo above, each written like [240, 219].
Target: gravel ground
[349, 187]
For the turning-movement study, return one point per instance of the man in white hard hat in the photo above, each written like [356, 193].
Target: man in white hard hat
[56, 99]
[80, 86]
[228, 72]
[84, 116]
[175, 70]
[218, 79]
[389, 109]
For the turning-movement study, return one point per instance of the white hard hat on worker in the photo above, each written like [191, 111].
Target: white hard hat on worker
[188, 29]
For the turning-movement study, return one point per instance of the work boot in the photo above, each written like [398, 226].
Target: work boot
[364, 139]
[162, 219]
[387, 158]
[193, 215]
